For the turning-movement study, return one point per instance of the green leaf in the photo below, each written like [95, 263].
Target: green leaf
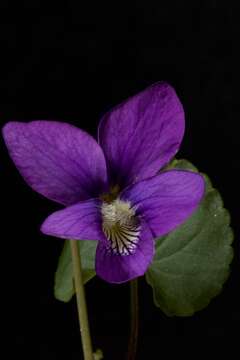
[63, 287]
[191, 263]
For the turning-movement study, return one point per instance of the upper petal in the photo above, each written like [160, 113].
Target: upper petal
[142, 134]
[166, 200]
[116, 268]
[81, 221]
[58, 160]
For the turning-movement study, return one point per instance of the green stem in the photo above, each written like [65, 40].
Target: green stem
[134, 306]
[81, 302]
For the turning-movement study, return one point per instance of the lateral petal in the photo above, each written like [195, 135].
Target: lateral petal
[166, 200]
[80, 221]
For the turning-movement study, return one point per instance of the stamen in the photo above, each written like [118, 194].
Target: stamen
[121, 227]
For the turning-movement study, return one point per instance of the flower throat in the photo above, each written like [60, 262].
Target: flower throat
[121, 226]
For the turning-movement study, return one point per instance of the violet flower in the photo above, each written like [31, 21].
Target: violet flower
[113, 189]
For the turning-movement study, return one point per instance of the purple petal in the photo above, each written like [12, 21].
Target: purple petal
[58, 160]
[81, 221]
[142, 134]
[121, 268]
[166, 200]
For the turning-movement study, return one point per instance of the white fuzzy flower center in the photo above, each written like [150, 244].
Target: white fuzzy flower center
[121, 226]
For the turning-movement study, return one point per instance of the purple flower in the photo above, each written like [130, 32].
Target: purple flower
[112, 189]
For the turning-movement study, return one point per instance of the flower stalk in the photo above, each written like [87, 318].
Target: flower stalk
[134, 309]
[81, 302]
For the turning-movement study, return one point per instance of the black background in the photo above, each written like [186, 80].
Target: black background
[72, 61]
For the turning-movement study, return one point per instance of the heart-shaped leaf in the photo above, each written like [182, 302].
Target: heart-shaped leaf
[63, 287]
[191, 263]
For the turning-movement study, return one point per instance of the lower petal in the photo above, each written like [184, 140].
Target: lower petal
[81, 221]
[115, 268]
